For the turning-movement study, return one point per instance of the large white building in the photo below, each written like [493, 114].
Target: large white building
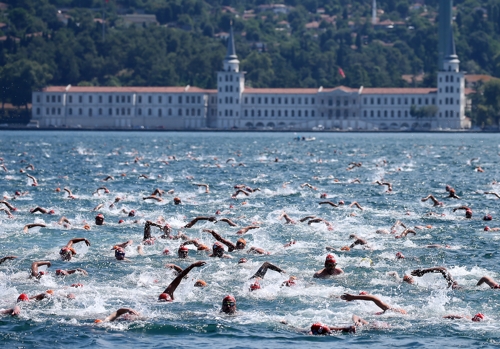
[233, 105]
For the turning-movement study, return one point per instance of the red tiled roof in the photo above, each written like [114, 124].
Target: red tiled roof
[397, 90]
[130, 89]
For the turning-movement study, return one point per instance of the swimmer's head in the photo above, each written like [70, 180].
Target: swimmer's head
[23, 297]
[120, 254]
[17, 193]
[330, 261]
[98, 321]
[242, 260]
[166, 251]
[255, 285]
[77, 285]
[65, 253]
[58, 190]
[51, 212]
[488, 217]
[131, 213]
[229, 304]
[165, 297]
[121, 221]
[86, 226]
[323, 196]
[399, 255]
[218, 249]
[240, 244]
[58, 271]
[320, 329]
[200, 283]
[99, 219]
[408, 279]
[341, 202]
[486, 228]
[177, 201]
[183, 251]
[478, 317]
[363, 293]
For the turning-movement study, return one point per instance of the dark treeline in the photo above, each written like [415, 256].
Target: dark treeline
[304, 47]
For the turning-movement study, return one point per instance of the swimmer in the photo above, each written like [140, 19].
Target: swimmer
[389, 185]
[434, 200]
[330, 268]
[143, 176]
[368, 297]
[199, 246]
[321, 220]
[7, 212]
[287, 218]
[23, 297]
[218, 251]
[158, 192]
[228, 221]
[358, 241]
[41, 210]
[240, 244]
[67, 252]
[12, 311]
[239, 191]
[33, 225]
[228, 305]
[34, 268]
[261, 272]
[35, 182]
[353, 165]
[486, 228]
[452, 194]
[406, 232]
[319, 329]
[257, 250]
[7, 258]
[468, 211]
[106, 191]
[120, 250]
[396, 225]
[152, 197]
[109, 178]
[200, 283]
[356, 180]
[406, 278]
[308, 185]
[246, 229]
[492, 193]
[197, 219]
[9, 205]
[147, 229]
[476, 318]
[442, 270]
[328, 203]
[70, 194]
[168, 293]
[489, 281]
[121, 314]
[99, 219]
[63, 272]
[479, 169]
[355, 203]
[98, 207]
[206, 186]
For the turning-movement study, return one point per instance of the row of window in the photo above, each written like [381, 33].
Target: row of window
[122, 111]
[449, 101]
[278, 99]
[386, 114]
[229, 77]
[278, 113]
[229, 89]
[449, 78]
[398, 101]
[122, 99]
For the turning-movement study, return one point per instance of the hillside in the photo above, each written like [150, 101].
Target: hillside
[292, 43]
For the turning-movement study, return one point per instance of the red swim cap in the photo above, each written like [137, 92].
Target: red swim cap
[77, 285]
[183, 248]
[100, 215]
[58, 271]
[242, 260]
[165, 297]
[330, 259]
[131, 213]
[121, 221]
[478, 317]
[399, 255]
[52, 212]
[486, 228]
[363, 293]
[255, 286]
[488, 217]
[166, 251]
[229, 298]
[323, 196]
[341, 202]
[23, 297]
[319, 329]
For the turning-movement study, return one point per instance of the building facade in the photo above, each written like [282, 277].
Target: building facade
[233, 105]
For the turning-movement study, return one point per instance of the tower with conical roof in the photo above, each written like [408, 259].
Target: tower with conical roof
[451, 85]
[230, 86]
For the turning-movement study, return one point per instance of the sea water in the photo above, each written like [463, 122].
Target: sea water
[415, 164]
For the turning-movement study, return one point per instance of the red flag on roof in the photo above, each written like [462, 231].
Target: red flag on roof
[341, 72]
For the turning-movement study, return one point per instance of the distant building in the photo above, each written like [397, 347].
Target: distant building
[233, 105]
[139, 19]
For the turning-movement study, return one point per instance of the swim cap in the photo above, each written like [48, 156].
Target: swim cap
[40, 273]
[218, 212]
[23, 297]
[100, 216]
[64, 250]
[242, 260]
[341, 202]
[49, 292]
[217, 246]
[17, 193]
[52, 212]
[200, 283]
[399, 255]
[486, 228]
[165, 297]
[77, 285]
[291, 281]
[166, 251]
[183, 248]
[255, 286]
[488, 217]
[241, 241]
[229, 298]
[323, 196]
[177, 201]
[131, 213]
[330, 259]
[97, 321]
[120, 253]
[478, 317]
[121, 221]
[363, 293]
[58, 271]
[319, 329]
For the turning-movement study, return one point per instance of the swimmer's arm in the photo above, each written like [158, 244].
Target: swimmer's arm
[328, 203]
[488, 280]
[175, 283]
[35, 265]
[461, 208]
[7, 258]
[368, 297]
[77, 240]
[12, 311]
[306, 218]
[124, 244]
[454, 317]
[263, 270]
[121, 312]
[33, 225]
[219, 238]
[343, 329]
[175, 267]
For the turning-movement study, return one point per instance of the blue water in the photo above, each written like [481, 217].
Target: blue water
[417, 165]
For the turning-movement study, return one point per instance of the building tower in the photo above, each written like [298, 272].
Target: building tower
[230, 86]
[444, 29]
[451, 85]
